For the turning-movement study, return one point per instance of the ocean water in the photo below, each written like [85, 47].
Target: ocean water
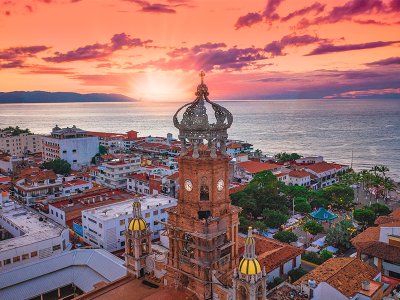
[370, 129]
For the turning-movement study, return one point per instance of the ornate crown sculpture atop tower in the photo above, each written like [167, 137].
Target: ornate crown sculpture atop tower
[195, 126]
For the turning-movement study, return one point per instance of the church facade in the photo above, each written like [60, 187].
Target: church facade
[202, 228]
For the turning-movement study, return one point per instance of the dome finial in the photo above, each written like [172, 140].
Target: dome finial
[202, 75]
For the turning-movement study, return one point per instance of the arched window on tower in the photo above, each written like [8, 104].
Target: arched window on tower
[144, 246]
[204, 190]
[242, 293]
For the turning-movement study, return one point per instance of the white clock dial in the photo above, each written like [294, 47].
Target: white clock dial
[220, 185]
[188, 185]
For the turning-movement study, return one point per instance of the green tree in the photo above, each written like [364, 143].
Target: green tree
[303, 207]
[296, 274]
[260, 225]
[380, 209]
[364, 216]
[274, 218]
[286, 237]
[296, 191]
[319, 202]
[284, 157]
[277, 281]
[102, 150]
[340, 235]
[59, 166]
[313, 227]
[340, 196]
[14, 131]
[325, 254]
[243, 224]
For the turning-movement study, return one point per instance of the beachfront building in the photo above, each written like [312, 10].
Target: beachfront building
[105, 226]
[298, 178]
[71, 144]
[114, 174]
[245, 169]
[36, 184]
[343, 278]
[324, 174]
[233, 148]
[21, 144]
[33, 237]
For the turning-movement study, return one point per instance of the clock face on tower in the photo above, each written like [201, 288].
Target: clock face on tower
[220, 185]
[188, 185]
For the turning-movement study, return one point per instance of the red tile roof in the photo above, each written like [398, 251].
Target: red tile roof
[345, 274]
[256, 167]
[299, 174]
[321, 167]
[75, 182]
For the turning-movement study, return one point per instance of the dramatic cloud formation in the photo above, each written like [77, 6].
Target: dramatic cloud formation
[96, 51]
[163, 8]
[329, 48]
[317, 8]
[386, 62]
[352, 9]
[208, 56]
[15, 57]
[268, 15]
[276, 47]
[279, 54]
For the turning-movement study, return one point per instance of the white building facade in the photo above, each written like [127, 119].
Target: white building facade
[71, 144]
[33, 237]
[114, 174]
[21, 144]
[105, 226]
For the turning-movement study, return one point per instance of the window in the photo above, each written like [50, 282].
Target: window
[122, 222]
[121, 233]
[100, 225]
[62, 218]
[162, 210]
[56, 247]
[74, 150]
[147, 215]
[65, 151]
[155, 213]
[33, 254]
[123, 244]
[74, 161]
[16, 259]
[25, 256]
[7, 261]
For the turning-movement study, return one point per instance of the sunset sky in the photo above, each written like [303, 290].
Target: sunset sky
[249, 49]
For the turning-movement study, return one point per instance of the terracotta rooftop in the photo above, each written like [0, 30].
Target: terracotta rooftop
[272, 253]
[129, 288]
[256, 166]
[75, 182]
[345, 274]
[321, 167]
[382, 250]
[394, 216]
[299, 174]
[366, 238]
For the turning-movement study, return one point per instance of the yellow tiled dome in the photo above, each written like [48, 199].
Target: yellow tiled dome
[249, 266]
[137, 224]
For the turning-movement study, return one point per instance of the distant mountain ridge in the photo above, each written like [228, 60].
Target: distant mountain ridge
[59, 97]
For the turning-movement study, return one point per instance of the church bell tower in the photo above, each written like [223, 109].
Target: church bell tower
[203, 227]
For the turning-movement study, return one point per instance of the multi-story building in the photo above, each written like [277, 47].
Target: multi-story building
[105, 226]
[68, 212]
[75, 186]
[233, 148]
[380, 246]
[324, 174]
[114, 174]
[245, 169]
[36, 184]
[71, 144]
[34, 237]
[20, 145]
